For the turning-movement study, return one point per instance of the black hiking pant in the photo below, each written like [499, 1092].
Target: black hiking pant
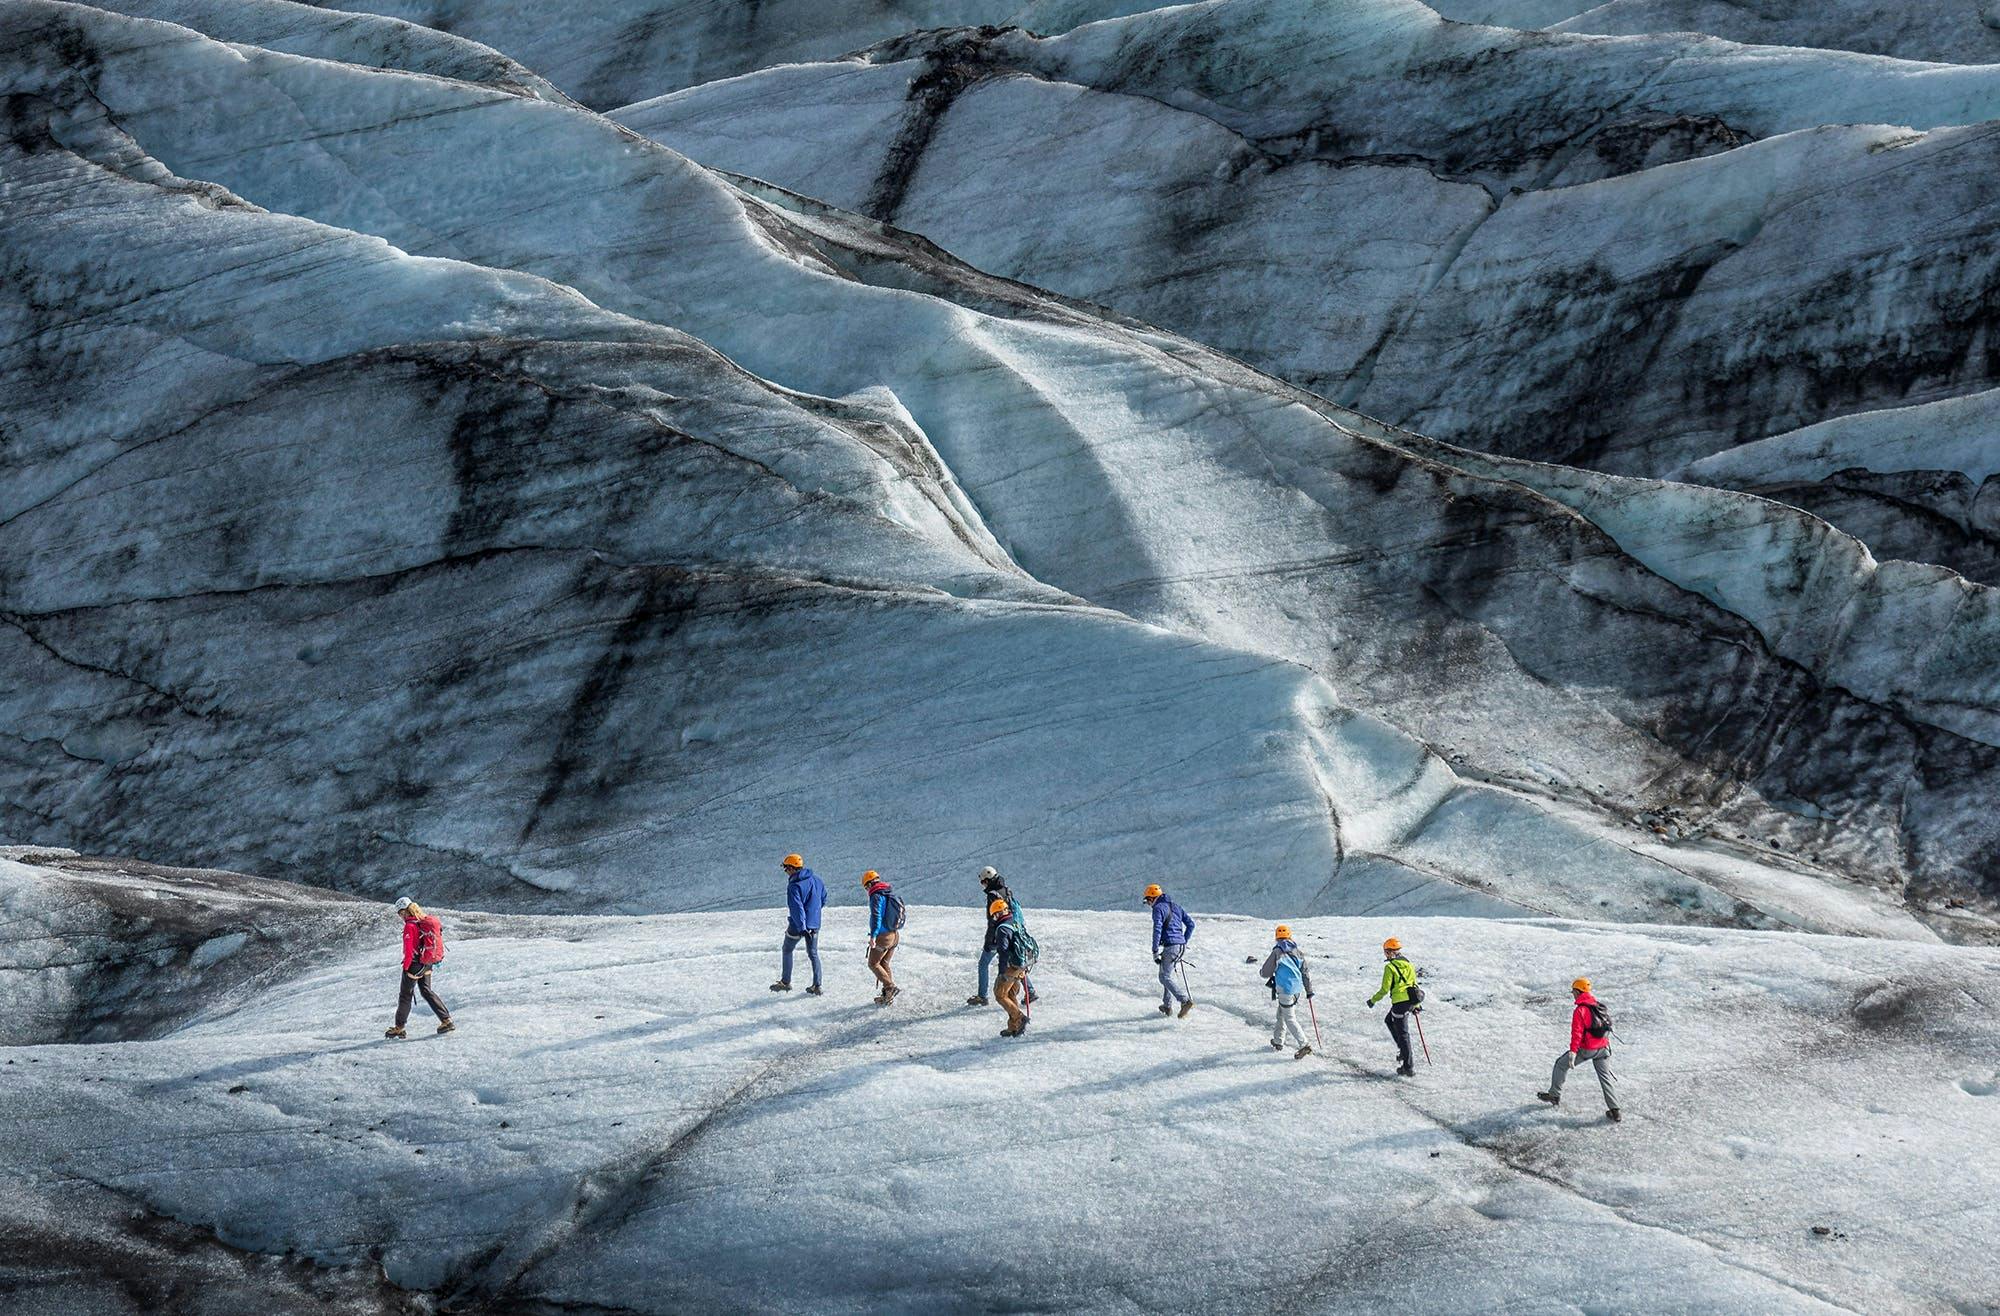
[1399, 1028]
[422, 984]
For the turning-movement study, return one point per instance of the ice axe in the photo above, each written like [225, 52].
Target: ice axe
[1420, 1037]
[1315, 1018]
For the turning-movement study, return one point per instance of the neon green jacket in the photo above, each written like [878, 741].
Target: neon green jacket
[1397, 979]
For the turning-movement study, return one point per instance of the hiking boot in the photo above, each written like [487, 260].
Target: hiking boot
[813, 990]
[1407, 1071]
[447, 1026]
[1302, 1053]
[892, 991]
[1277, 1046]
[781, 986]
[1553, 1098]
[1024, 1026]
[397, 1030]
[1008, 1032]
[1166, 1009]
[975, 1000]
[1613, 1115]
[1186, 1006]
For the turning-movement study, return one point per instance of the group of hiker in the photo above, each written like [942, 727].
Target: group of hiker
[1013, 951]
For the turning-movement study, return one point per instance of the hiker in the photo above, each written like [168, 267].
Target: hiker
[423, 947]
[1017, 952]
[1171, 929]
[1589, 1039]
[996, 889]
[1286, 975]
[885, 924]
[1399, 984]
[805, 897]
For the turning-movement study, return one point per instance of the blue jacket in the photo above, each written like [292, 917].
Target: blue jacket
[880, 919]
[805, 896]
[1171, 924]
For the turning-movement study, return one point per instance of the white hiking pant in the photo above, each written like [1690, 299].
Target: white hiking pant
[1605, 1079]
[1288, 1021]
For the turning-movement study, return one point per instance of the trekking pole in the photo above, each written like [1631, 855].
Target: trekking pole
[1187, 993]
[1316, 1037]
[1420, 1037]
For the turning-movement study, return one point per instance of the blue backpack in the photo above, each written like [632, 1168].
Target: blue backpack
[892, 911]
[1290, 974]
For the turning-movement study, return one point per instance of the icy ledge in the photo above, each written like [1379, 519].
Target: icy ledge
[628, 1121]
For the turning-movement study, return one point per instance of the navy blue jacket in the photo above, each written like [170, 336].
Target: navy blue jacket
[878, 910]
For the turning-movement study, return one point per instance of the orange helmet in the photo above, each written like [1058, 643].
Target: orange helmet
[794, 861]
[870, 877]
[998, 909]
[1392, 944]
[1153, 892]
[1284, 932]
[1580, 985]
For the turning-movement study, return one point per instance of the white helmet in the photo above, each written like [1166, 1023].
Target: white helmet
[988, 873]
[404, 902]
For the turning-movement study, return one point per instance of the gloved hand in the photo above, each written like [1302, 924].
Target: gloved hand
[1309, 996]
[1159, 959]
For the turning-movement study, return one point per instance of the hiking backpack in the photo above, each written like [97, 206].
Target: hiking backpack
[1298, 967]
[1026, 951]
[1600, 1020]
[1413, 995]
[894, 911]
[430, 940]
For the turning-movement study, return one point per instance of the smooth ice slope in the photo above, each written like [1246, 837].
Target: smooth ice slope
[680, 635]
[626, 1090]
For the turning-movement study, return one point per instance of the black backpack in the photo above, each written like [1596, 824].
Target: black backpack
[1600, 1020]
[1413, 995]
[895, 903]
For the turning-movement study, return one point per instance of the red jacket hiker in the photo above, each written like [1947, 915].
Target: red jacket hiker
[421, 932]
[413, 930]
[1580, 1039]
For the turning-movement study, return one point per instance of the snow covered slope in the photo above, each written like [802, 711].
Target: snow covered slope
[1566, 248]
[625, 1090]
[961, 572]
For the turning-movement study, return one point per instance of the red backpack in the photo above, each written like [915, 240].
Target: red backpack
[430, 939]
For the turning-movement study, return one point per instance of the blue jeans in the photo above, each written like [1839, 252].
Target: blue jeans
[1170, 958]
[986, 968]
[792, 937]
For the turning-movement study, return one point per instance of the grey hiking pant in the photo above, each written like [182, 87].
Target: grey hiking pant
[1288, 1021]
[1170, 959]
[1605, 1078]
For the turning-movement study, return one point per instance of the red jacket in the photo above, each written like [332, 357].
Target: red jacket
[412, 928]
[1579, 1025]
